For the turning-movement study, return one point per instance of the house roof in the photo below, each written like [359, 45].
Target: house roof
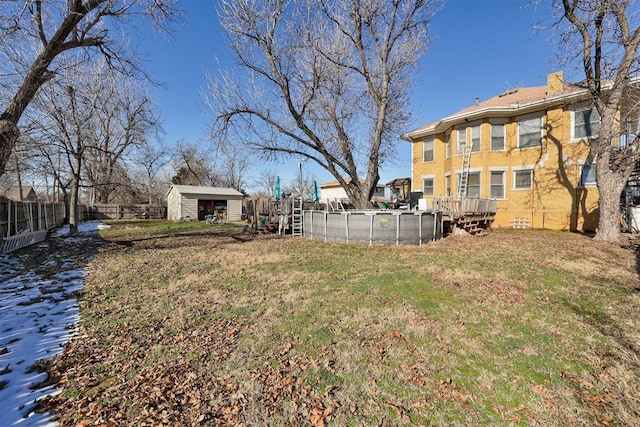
[515, 101]
[337, 184]
[200, 189]
[13, 193]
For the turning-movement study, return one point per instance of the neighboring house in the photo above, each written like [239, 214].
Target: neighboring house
[197, 201]
[331, 191]
[28, 194]
[527, 148]
[399, 189]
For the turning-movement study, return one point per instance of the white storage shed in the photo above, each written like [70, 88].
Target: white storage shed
[197, 201]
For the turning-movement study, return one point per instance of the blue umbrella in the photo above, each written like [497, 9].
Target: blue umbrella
[277, 187]
[315, 191]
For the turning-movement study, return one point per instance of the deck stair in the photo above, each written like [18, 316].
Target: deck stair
[472, 214]
[296, 216]
[474, 224]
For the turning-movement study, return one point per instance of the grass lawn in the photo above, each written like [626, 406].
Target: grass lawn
[196, 324]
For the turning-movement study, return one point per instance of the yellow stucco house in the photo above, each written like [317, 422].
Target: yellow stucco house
[527, 148]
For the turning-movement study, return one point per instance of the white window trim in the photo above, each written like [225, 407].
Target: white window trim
[471, 171]
[504, 181]
[588, 184]
[530, 117]
[422, 178]
[433, 149]
[466, 138]
[520, 169]
[573, 137]
[447, 180]
[472, 125]
[447, 144]
[502, 122]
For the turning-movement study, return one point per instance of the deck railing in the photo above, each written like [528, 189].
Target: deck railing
[465, 206]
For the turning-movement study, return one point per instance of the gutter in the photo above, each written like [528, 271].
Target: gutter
[444, 123]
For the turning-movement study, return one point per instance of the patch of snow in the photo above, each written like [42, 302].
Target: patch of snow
[83, 228]
[37, 317]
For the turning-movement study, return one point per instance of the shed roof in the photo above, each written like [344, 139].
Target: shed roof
[398, 182]
[201, 189]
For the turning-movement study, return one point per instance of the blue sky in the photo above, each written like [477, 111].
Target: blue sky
[479, 48]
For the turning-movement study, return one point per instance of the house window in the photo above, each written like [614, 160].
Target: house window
[427, 186]
[497, 137]
[530, 132]
[588, 175]
[523, 179]
[427, 150]
[475, 138]
[447, 183]
[462, 140]
[473, 184]
[586, 123]
[497, 185]
[447, 153]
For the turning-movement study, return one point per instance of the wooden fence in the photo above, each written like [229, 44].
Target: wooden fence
[100, 211]
[26, 223]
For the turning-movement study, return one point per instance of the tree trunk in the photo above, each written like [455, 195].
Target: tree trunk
[610, 186]
[9, 134]
[73, 206]
[19, 178]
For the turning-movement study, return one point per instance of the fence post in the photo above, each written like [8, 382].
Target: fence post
[8, 218]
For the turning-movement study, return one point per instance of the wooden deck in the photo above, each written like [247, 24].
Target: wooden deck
[471, 214]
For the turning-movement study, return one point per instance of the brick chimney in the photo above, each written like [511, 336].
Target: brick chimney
[555, 82]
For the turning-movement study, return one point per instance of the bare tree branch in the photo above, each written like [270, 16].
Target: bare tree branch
[327, 81]
[57, 28]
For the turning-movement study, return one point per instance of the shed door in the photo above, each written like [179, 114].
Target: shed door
[209, 207]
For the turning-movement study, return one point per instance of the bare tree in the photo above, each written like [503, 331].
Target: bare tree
[150, 159]
[607, 34]
[65, 130]
[326, 81]
[35, 34]
[89, 119]
[266, 183]
[124, 117]
[192, 166]
[233, 164]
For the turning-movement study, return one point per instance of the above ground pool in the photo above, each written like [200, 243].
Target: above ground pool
[389, 227]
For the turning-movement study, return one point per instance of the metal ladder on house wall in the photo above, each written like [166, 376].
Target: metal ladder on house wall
[464, 176]
[296, 216]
